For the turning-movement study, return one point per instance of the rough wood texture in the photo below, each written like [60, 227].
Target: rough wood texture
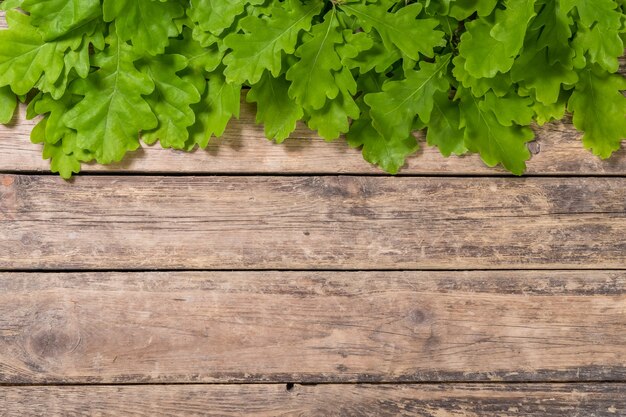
[484, 400]
[311, 223]
[244, 149]
[312, 327]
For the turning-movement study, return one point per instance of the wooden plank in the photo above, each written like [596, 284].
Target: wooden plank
[364, 223]
[244, 149]
[484, 400]
[177, 327]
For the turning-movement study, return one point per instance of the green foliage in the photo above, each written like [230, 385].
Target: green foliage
[476, 74]
[8, 102]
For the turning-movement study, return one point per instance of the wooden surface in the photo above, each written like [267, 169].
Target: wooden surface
[118, 222]
[182, 327]
[454, 291]
[462, 400]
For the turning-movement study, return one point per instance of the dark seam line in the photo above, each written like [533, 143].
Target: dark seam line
[165, 270]
[308, 174]
[405, 382]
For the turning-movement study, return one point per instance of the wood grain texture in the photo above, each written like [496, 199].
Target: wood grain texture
[463, 400]
[312, 327]
[244, 149]
[103, 223]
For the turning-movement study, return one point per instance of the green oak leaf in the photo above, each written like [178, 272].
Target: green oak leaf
[551, 30]
[496, 143]
[8, 104]
[334, 118]
[216, 15]
[170, 101]
[55, 18]
[354, 44]
[489, 48]
[390, 155]
[394, 109]
[438, 7]
[220, 103]
[462, 9]
[61, 163]
[599, 110]
[54, 110]
[402, 29]
[545, 113]
[275, 109]
[444, 128]
[264, 40]
[534, 71]
[200, 61]
[603, 45]
[312, 77]
[147, 23]
[113, 111]
[76, 64]
[59, 141]
[511, 109]
[592, 11]
[64, 159]
[375, 57]
[50, 66]
[598, 30]
[500, 84]
[10, 4]
[25, 57]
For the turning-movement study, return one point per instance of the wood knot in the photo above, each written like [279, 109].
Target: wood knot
[534, 147]
[359, 211]
[27, 239]
[416, 316]
[53, 334]
[52, 343]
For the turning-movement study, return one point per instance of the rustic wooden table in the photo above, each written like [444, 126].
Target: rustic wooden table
[252, 279]
[169, 285]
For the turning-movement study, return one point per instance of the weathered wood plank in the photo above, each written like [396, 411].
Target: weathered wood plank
[466, 400]
[311, 223]
[312, 327]
[244, 149]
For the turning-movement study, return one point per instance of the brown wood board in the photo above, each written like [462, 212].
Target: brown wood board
[182, 327]
[121, 222]
[463, 400]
